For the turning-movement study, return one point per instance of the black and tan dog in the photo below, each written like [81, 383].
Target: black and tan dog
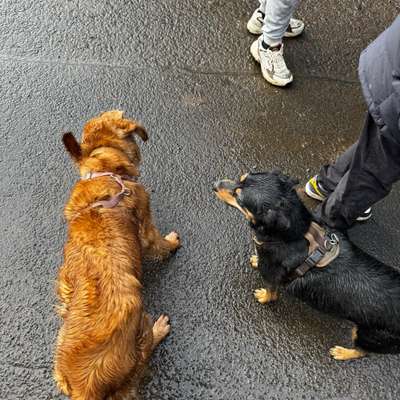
[354, 286]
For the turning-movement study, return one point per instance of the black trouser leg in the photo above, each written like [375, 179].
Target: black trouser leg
[368, 169]
[331, 174]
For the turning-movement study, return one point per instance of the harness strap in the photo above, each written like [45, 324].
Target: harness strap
[114, 200]
[324, 248]
[310, 262]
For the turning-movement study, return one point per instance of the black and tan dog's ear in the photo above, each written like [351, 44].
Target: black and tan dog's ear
[72, 146]
[126, 127]
[289, 181]
[285, 179]
[292, 182]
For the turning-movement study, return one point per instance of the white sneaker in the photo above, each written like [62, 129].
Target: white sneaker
[273, 66]
[295, 28]
[256, 22]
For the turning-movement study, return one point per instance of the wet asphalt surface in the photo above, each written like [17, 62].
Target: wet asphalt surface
[183, 68]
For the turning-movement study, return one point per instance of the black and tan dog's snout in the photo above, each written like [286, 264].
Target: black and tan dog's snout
[224, 185]
[227, 191]
[230, 192]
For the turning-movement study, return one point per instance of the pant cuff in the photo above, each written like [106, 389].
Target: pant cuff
[272, 42]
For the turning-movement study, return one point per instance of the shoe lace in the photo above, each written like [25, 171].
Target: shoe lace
[279, 61]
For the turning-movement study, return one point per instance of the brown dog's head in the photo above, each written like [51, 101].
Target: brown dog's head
[108, 144]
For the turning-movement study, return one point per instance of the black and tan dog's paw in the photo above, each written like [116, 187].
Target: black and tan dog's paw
[265, 296]
[343, 354]
[254, 261]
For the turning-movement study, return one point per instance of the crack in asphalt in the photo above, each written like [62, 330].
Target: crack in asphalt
[6, 58]
[21, 366]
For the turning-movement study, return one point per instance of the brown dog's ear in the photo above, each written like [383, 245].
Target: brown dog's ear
[72, 146]
[139, 130]
[126, 127]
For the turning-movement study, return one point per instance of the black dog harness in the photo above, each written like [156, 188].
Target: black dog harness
[323, 249]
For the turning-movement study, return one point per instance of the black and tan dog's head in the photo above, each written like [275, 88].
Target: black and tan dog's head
[108, 142]
[268, 201]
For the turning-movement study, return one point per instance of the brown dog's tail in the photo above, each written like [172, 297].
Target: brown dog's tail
[72, 146]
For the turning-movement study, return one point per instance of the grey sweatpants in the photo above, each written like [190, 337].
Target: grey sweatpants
[277, 18]
[360, 177]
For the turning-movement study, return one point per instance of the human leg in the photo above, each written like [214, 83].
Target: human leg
[374, 167]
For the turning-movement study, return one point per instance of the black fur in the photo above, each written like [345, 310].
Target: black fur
[355, 286]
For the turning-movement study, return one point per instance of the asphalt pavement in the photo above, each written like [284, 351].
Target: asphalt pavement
[183, 68]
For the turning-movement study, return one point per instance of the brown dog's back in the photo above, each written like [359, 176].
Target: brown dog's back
[101, 339]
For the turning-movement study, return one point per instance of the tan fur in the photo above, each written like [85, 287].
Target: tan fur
[265, 296]
[343, 354]
[254, 261]
[228, 198]
[107, 338]
[354, 334]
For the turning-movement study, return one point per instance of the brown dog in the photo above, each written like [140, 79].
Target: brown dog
[106, 337]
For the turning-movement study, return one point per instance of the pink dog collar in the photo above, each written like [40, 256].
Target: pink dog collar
[114, 200]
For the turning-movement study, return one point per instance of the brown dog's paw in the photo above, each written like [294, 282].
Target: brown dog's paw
[161, 329]
[174, 239]
[254, 261]
[342, 354]
[264, 296]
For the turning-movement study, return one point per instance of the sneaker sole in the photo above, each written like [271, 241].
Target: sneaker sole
[276, 82]
[365, 218]
[310, 193]
[295, 33]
